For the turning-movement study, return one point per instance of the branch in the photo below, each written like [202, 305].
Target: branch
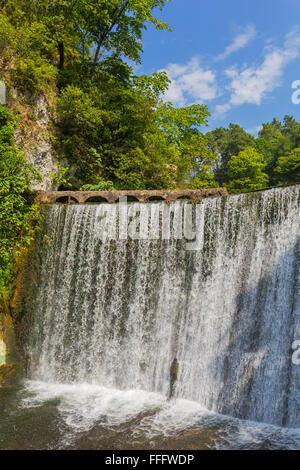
[118, 13]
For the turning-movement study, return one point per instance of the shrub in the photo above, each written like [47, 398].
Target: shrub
[17, 208]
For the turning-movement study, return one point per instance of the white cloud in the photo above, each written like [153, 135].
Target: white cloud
[255, 130]
[241, 41]
[253, 84]
[222, 108]
[195, 82]
[190, 83]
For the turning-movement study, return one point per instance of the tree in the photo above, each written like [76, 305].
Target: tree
[111, 127]
[96, 28]
[112, 132]
[181, 129]
[106, 118]
[288, 168]
[225, 143]
[291, 129]
[118, 25]
[275, 140]
[245, 172]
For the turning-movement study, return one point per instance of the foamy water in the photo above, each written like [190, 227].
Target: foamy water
[109, 316]
[83, 406]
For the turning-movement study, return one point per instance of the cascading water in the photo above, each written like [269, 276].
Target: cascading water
[117, 312]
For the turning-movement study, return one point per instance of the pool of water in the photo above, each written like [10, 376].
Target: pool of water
[41, 415]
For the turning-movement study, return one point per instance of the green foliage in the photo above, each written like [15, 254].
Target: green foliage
[80, 124]
[117, 25]
[111, 124]
[113, 128]
[245, 171]
[101, 185]
[153, 86]
[33, 74]
[95, 29]
[205, 178]
[31, 50]
[277, 142]
[225, 143]
[288, 168]
[273, 143]
[59, 178]
[17, 209]
[122, 132]
[181, 130]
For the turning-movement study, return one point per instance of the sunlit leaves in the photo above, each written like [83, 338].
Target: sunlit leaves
[16, 205]
[246, 172]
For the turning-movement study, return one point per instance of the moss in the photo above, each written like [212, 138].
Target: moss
[10, 374]
[27, 267]
[10, 366]
[19, 299]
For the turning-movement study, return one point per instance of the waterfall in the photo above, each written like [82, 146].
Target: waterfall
[117, 311]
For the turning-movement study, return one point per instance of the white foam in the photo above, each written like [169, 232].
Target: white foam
[82, 406]
[118, 313]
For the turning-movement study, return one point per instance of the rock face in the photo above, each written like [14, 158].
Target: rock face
[10, 375]
[34, 137]
[10, 367]
[39, 150]
[3, 99]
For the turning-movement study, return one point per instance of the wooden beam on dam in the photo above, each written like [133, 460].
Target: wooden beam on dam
[86, 197]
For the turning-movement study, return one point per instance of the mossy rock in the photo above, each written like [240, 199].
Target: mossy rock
[10, 375]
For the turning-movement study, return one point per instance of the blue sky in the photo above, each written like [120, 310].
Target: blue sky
[239, 57]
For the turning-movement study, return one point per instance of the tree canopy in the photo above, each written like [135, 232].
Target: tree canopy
[111, 126]
[277, 143]
[246, 171]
